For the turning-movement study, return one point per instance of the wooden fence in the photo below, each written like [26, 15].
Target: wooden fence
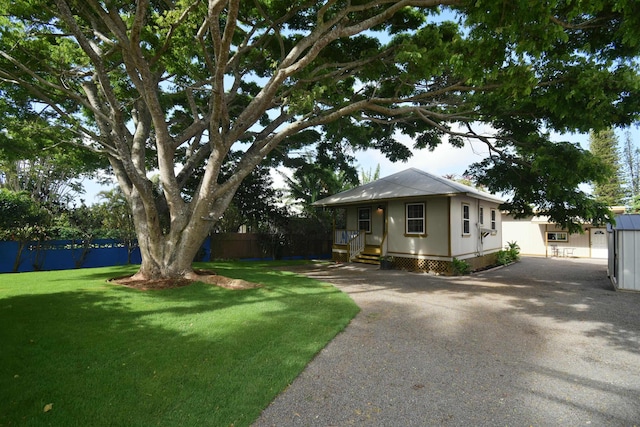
[266, 246]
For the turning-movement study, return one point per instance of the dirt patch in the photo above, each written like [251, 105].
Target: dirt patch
[205, 276]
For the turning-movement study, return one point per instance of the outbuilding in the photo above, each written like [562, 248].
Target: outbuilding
[624, 252]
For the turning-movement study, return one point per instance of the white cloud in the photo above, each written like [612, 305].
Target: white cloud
[443, 160]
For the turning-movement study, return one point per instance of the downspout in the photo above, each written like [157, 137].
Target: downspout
[480, 247]
[450, 236]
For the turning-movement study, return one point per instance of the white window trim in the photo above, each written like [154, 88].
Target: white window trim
[494, 219]
[481, 215]
[423, 218]
[466, 221]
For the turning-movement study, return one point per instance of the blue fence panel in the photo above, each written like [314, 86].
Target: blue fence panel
[65, 254]
[8, 251]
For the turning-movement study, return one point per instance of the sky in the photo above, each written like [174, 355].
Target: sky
[444, 160]
[449, 160]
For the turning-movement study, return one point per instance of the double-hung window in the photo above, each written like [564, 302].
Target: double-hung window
[493, 219]
[415, 222]
[364, 219]
[466, 219]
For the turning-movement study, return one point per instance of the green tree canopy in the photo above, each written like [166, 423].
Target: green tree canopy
[174, 86]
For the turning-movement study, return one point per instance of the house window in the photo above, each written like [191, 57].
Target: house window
[415, 218]
[554, 236]
[364, 219]
[466, 219]
[493, 219]
[481, 215]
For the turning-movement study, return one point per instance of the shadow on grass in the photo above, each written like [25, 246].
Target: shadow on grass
[198, 355]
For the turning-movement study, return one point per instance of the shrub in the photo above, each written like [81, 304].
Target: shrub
[460, 267]
[510, 254]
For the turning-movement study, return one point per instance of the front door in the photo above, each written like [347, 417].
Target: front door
[599, 247]
[374, 238]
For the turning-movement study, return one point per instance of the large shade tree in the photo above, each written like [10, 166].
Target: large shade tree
[171, 86]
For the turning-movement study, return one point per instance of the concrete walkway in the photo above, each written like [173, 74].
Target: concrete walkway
[542, 342]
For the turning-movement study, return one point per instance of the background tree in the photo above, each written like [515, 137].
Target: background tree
[22, 220]
[369, 176]
[312, 181]
[41, 157]
[631, 169]
[174, 86]
[604, 145]
[117, 220]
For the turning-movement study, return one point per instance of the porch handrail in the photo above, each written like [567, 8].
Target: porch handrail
[354, 240]
[343, 237]
[356, 245]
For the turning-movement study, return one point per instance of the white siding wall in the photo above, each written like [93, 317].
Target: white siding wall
[434, 243]
[531, 237]
[470, 245]
[444, 222]
[528, 235]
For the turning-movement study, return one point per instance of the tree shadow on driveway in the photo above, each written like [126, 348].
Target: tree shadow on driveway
[540, 342]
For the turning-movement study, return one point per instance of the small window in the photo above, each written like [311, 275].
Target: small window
[481, 215]
[364, 219]
[493, 219]
[554, 236]
[415, 218]
[466, 219]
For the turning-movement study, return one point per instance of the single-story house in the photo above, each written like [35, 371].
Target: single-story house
[623, 265]
[539, 236]
[420, 220]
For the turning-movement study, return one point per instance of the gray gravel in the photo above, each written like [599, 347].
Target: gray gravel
[541, 342]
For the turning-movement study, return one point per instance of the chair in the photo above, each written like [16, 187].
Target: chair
[555, 252]
[567, 252]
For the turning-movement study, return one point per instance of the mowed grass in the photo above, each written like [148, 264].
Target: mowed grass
[78, 351]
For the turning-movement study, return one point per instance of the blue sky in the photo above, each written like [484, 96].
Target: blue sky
[444, 160]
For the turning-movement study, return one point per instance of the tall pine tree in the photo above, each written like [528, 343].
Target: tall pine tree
[604, 145]
[631, 170]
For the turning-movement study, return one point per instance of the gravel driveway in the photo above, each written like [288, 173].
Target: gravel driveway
[541, 342]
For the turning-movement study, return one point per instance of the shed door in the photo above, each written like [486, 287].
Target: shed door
[599, 243]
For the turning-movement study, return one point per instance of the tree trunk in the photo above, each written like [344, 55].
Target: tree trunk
[169, 254]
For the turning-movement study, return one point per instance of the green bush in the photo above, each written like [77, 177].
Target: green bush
[460, 267]
[510, 254]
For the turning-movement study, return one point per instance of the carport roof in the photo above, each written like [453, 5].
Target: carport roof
[406, 184]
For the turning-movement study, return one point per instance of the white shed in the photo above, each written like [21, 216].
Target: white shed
[624, 253]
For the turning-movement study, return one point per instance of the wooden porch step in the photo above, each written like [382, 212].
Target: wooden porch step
[370, 255]
[363, 260]
[372, 250]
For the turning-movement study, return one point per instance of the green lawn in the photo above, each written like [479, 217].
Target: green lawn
[104, 354]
